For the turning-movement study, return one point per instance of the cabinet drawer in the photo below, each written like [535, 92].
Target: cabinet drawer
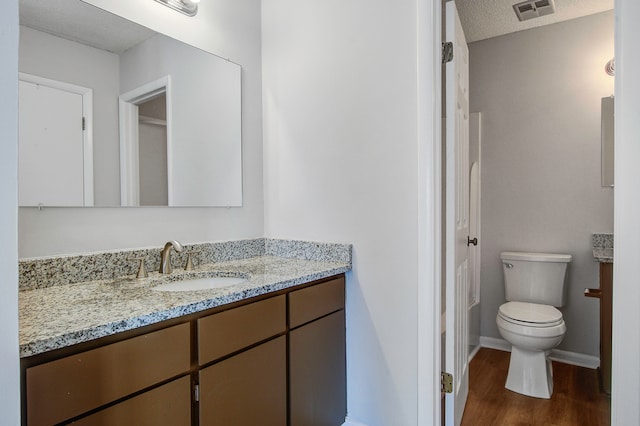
[226, 332]
[67, 387]
[168, 405]
[313, 302]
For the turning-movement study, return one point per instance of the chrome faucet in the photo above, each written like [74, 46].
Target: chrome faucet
[165, 256]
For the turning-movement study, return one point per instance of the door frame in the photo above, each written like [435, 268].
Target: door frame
[87, 133]
[626, 316]
[429, 209]
[129, 139]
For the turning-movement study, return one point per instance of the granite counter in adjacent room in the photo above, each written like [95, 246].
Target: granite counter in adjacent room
[56, 316]
[602, 247]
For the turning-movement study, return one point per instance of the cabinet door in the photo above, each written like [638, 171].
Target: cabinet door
[317, 372]
[246, 389]
[168, 405]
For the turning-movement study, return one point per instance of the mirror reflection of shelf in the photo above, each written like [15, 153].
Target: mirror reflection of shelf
[152, 120]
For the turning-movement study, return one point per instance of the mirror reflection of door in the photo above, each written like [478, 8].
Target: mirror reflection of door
[55, 154]
[152, 145]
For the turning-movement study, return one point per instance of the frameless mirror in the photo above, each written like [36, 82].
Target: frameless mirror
[114, 114]
[608, 140]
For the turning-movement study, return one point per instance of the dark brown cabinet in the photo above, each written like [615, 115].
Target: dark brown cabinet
[247, 389]
[317, 372]
[274, 360]
[250, 387]
[167, 405]
[317, 363]
[75, 384]
[606, 311]
[605, 294]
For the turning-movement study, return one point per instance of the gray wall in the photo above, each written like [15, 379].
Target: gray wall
[539, 93]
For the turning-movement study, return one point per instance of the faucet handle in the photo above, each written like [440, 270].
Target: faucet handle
[142, 270]
[189, 265]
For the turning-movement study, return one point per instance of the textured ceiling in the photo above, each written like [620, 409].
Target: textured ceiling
[482, 19]
[81, 22]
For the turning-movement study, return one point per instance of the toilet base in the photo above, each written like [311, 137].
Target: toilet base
[530, 373]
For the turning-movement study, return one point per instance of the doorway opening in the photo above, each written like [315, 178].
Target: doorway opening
[145, 145]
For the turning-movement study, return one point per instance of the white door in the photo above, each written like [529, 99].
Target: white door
[52, 170]
[457, 218]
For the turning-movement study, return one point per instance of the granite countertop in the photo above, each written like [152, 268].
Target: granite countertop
[602, 246]
[603, 254]
[64, 315]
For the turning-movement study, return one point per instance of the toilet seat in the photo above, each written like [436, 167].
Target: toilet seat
[530, 314]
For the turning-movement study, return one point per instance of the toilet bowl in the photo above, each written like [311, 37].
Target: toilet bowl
[532, 330]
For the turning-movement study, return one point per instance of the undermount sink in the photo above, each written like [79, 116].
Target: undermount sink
[207, 283]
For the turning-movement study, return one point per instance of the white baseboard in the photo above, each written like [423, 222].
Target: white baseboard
[493, 343]
[474, 352]
[573, 358]
[351, 422]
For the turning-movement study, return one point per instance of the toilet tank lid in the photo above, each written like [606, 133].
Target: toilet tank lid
[535, 257]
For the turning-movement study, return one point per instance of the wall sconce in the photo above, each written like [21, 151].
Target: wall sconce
[610, 67]
[188, 7]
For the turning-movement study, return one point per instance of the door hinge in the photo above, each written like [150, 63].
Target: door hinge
[84, 124]
[196, 393]
[447, 52]
[446, 382]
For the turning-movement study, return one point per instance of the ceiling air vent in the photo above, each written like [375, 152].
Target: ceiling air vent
[533, 9]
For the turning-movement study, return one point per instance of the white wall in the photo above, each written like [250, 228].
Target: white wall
[539, 93]
[58, 59]
[9, 365]
[231, 30]
[341, 150]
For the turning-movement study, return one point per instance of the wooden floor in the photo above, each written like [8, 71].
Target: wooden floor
[576, 399]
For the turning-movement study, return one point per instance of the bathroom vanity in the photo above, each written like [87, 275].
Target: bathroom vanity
[269, 351]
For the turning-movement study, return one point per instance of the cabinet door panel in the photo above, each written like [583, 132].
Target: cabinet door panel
[317, 372]
[246, 389]
[168, 405]
[67, 387]
[229, 331]
[313, 302]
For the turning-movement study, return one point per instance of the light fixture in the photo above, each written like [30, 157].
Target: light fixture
[188, 7]
[610, 67]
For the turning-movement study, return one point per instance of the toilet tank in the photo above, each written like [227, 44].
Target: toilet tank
[535, 277]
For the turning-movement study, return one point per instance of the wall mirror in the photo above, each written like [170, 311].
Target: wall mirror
[608, 140]
[114, 114]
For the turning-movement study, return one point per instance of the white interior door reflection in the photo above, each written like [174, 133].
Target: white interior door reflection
[55, 160]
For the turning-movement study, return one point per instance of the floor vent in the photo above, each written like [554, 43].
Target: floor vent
[533, 9]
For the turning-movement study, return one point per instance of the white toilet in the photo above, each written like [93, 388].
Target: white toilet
[529, 321]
